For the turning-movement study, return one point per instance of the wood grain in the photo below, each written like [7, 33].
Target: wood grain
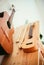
[19, 57]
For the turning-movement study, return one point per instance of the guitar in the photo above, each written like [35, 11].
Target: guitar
[30, 44]
[6, 32]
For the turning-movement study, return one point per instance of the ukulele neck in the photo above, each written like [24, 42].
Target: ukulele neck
[11, 16]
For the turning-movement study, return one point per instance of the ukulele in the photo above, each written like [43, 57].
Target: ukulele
[30, 44]
[6, 33]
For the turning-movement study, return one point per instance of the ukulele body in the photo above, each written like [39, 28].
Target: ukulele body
[6, 44]
[30, 44]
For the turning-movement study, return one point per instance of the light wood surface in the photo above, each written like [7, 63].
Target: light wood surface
[19, 57]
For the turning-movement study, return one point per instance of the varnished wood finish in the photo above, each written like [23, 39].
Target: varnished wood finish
[6, 34]
[19, 57]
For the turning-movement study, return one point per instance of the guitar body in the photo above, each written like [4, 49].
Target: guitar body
[5, 34]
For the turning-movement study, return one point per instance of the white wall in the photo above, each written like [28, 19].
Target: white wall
[25, 10]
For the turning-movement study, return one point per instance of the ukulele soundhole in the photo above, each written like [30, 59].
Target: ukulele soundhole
[1, 14]
[28, 43]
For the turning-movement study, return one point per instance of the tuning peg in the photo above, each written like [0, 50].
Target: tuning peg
[12, 7]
